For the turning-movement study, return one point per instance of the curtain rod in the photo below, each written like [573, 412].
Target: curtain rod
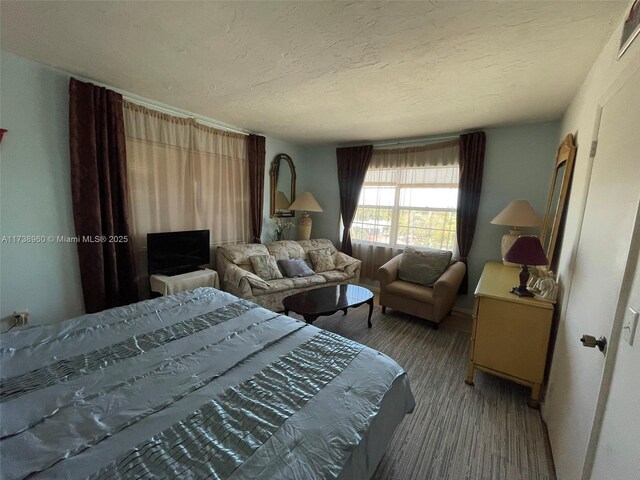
[145, 102]
[418, 140]
[179, 112]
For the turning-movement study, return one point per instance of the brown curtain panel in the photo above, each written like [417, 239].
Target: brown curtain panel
[353, 163]
[471, 165]
[100, 196]
[256, 154]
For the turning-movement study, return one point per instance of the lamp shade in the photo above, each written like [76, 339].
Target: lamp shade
[282, 202]
[306, 203]
[527, 250]
[519, 213]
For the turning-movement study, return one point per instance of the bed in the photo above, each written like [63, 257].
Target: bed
[199, 384]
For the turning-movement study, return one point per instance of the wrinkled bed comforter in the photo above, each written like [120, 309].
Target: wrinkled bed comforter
[199, 384]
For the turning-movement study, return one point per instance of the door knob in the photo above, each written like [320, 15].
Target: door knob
[591, 342]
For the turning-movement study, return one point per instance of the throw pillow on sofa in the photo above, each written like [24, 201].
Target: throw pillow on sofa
[296, 267]
[265, 266]
[423, 267]
[322, 260]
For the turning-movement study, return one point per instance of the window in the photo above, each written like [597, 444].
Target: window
[408, 206]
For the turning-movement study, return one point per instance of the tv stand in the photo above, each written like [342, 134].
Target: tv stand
[166, 285]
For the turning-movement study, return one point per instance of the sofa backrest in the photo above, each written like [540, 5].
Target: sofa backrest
[285, 249]
[238, 254]
[290, 249]
[316, 244]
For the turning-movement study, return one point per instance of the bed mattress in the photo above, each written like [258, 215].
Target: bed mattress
[198, 384]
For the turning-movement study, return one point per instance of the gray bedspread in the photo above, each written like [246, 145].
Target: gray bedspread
[194, 385]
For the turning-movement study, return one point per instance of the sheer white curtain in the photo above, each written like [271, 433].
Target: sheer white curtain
[184, 176]
[409, 197]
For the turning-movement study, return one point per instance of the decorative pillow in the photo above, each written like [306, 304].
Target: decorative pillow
[295, 268]
[322, 260]
[423, 267]
[265, 266]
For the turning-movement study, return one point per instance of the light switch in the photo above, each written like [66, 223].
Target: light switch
[629, 326]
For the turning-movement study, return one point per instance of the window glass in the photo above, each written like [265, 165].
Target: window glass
[411, 206]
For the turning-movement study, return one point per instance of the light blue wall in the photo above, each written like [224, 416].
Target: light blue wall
[273, 147]
[316, 172]
[35, 193]
[518, 165]
[319, 175]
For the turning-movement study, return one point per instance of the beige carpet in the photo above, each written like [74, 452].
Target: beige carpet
[456, 431]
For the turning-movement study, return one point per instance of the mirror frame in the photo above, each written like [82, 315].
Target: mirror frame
[273, 173]
[553, 216]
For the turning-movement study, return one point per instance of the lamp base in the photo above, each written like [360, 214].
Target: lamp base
[521, 290]
[508, 239]
[304, 226]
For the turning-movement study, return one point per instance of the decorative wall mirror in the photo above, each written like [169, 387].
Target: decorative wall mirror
[283, 185]
[557, 199]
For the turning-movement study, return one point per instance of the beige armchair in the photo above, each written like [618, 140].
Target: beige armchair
[430, 303]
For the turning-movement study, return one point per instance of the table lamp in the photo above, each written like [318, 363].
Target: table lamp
[525, 251]
[305, 203]
[519, 213]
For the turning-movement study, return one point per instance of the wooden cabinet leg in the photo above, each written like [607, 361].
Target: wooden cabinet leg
[534, 401]
[469, 379]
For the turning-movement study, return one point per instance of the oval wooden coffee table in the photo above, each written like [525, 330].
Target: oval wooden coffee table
[322, 301]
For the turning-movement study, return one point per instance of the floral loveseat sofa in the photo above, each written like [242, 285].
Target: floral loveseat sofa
[237, 275]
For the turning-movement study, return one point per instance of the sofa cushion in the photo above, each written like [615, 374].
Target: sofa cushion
[322, 260]
[276, 285]
[409, 290]
[240, 253]
[265, 266]
[283, 284]
[310, 281]
[423, 267]
[335, 276]
[295, 268]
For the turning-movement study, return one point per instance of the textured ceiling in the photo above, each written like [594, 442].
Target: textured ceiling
[324, 72]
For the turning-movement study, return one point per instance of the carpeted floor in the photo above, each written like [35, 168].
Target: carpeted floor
[485, 432]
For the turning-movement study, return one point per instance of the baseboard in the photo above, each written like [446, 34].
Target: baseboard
[463, 311]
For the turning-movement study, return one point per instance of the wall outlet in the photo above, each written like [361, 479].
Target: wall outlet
[629, 325]
[21, 318]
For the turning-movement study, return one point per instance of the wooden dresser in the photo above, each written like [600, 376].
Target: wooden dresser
[510, 334]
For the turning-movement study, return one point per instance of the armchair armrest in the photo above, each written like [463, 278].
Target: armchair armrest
[446, 288]
[388, 272]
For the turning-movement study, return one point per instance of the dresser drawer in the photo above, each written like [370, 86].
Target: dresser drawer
[512, 338]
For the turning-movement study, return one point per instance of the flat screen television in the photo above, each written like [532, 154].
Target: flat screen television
[174, 253]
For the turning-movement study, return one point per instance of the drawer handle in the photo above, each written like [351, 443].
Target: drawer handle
[591, 342]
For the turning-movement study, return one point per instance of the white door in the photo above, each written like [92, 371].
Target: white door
[618, 447]
[575, 391]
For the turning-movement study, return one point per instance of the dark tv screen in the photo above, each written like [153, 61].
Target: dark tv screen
[173, 253]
